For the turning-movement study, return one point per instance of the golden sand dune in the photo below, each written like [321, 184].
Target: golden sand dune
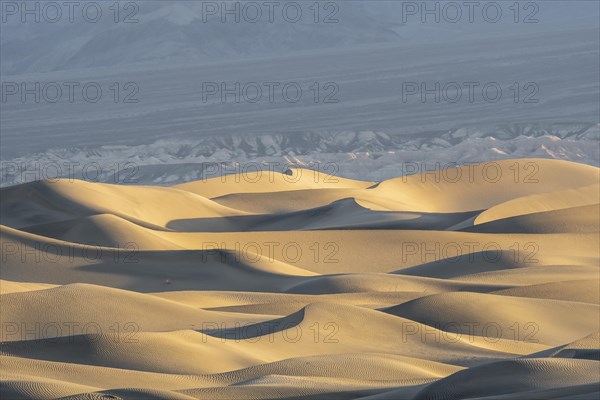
[103, 230]
[574, 219]
[267, 180]
[474, 313]
[469, 188]
[585, 291]
[17, 287]
[541, 202]
[475, 282]
[520, 379]
[50, 201]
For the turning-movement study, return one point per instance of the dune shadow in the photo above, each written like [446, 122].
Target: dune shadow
[344, 214]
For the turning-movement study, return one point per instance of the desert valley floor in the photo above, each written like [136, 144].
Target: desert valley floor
[476, 282]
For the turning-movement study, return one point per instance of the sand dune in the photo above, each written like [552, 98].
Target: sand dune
[103, 230]
[340, 214]
[469, 188]
[51, 201]
[574, 219]
[481, 186]
[18, 287]
[267, 180]
[541, 202]
[474, 282]
[523, 375]
[473, 313]
[585, 348]
[585, 291]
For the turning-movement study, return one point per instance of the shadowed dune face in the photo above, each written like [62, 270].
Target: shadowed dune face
[476, 282]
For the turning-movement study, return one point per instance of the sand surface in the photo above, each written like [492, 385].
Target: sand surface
[479, 282]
